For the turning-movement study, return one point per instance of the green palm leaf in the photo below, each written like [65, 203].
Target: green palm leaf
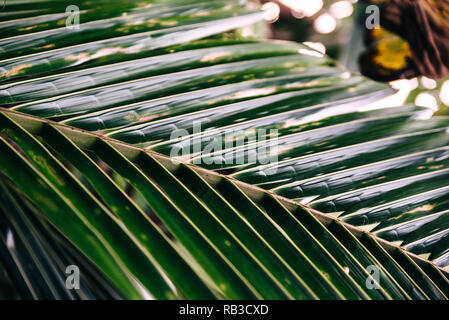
[143, 225]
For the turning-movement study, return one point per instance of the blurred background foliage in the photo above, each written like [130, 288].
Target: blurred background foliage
[337, 28]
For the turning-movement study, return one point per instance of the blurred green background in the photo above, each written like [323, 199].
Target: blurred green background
[336, 27]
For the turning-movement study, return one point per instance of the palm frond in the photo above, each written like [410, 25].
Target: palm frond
[269, 247]
[152, 226]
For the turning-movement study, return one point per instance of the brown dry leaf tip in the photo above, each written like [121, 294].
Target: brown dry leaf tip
[424, 24]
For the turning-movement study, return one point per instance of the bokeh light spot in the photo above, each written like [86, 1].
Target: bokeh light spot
[341, 9]
[426, 100]
[303, 8]
[271, 11]
[325, 23]
[444, 93]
